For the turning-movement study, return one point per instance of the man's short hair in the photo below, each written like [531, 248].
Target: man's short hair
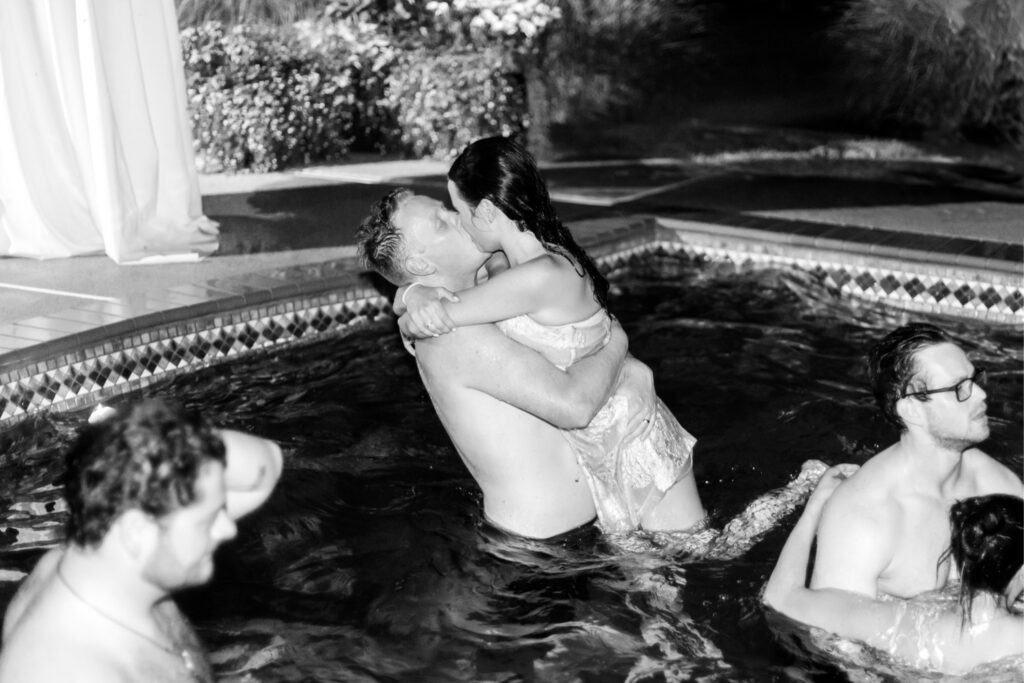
[892, 365]
[381, 244]
[146, 457]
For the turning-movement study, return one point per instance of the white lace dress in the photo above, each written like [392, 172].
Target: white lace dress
[632, 451]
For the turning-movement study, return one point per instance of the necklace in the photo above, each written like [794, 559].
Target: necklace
[184, 655]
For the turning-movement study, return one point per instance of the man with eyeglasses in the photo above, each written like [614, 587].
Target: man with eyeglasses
[885, 530]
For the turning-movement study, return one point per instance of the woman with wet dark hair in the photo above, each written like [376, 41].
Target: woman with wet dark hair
[984, 625]
[988, 547]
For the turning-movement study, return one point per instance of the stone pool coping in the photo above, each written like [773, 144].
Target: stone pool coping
[73, 359]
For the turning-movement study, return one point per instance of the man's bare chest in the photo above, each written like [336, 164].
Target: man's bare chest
[920, 559]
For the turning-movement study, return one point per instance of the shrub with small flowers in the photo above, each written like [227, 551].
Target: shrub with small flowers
[516, 23]
[463, 75]
[422, 77]
[443, 100]
[460, 75]
[263, 99]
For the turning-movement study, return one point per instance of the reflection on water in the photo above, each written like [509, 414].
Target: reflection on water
[371, 561]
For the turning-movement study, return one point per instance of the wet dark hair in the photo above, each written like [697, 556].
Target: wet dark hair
[892, 366]
[987, 544]
[501, 170]
[146, 457]
[381, 244]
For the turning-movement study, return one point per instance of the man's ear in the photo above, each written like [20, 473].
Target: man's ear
[419, 266]
[910, 410]
[137, 533]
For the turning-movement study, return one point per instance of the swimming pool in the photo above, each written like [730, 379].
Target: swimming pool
[371, 561]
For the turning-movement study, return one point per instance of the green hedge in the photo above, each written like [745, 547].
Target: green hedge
[262, 99]
[412, 77]
[956, 69]
[443, 101]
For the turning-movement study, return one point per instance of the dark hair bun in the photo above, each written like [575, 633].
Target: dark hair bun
[978, 523]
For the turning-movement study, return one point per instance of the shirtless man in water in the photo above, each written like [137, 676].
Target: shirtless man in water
[152, 492]
[885, 530]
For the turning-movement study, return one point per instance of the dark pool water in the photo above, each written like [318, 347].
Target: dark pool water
[371, 562]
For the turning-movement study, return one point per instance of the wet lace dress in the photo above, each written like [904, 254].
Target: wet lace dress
[633, 451]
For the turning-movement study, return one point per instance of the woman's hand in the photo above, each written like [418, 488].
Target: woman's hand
[636, 385]
[425, 314]
[829, 482]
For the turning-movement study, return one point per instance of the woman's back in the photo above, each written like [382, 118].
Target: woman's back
[929, 632]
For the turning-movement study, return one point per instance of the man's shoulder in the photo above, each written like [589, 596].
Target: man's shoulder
[860, 504]
[32, 589]
[855, 537]
[988, 475]
[45, 646]
[54, 665]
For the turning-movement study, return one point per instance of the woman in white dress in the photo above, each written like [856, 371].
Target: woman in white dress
[95, 143]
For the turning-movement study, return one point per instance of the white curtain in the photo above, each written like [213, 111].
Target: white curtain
[95, 143]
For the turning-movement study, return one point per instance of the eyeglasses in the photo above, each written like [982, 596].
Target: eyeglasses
[963, 389]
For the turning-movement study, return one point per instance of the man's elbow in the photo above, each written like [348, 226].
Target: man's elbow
[581, 413]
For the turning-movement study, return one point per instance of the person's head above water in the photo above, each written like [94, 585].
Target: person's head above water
[148, 457]
[987, 544]
[497, 173]
[919, 368]
[408, 237]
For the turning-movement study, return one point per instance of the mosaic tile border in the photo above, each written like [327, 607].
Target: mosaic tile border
[960, 287]
[314, 301]
[119, 366]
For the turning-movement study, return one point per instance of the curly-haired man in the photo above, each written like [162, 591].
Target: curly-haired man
[152, 492]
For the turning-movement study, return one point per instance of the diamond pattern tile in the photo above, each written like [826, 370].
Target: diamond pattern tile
[965, 294]
[184, 347]
[939, 291]
[990, 297]
[865, 281]
[1014, 301]
[125, 364]
[914, 288]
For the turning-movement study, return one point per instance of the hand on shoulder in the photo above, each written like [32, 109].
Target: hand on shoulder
[830, 480]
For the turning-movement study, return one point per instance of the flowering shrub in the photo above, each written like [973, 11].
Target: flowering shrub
[518, 23]
[261, 100]
[952, 67]
[368, 56]
[422, 77]
[444, 100]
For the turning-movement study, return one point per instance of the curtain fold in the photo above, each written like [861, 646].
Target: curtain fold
[95, 142]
